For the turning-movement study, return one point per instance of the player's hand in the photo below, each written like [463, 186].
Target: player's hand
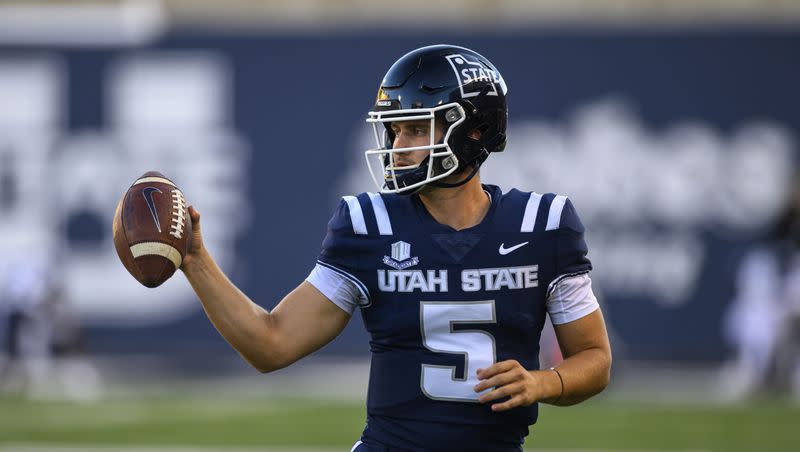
[510, 379]
[197, 246]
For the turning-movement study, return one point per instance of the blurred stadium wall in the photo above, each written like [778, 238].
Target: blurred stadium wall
[673, 126]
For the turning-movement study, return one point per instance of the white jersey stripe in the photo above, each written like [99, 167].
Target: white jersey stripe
[529, 219]
[381, 214]
[356, 215]
[554, 217]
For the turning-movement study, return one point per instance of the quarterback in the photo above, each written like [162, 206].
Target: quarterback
[454, 278]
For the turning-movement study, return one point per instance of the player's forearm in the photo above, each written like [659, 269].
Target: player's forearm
[245, 325]
[584, 375]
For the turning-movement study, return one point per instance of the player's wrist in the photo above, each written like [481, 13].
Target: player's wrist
[552, 386]
[195, 262]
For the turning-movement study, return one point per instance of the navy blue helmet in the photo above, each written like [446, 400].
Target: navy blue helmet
[452, 86]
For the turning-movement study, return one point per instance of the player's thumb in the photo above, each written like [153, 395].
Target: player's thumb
[196, 242]
[195, 216]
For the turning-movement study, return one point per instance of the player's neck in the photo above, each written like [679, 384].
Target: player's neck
[458, 207]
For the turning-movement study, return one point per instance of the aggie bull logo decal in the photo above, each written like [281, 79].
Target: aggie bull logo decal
[473, 76]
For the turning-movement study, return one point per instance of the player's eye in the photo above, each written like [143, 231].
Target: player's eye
[420, 131]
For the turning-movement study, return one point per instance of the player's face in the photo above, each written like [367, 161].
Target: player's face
[412, 134]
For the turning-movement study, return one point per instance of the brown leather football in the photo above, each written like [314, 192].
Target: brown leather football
[152, 229]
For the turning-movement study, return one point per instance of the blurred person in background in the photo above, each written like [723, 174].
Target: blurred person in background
[44, 342]
[456, 308]
[763, 321]
[26, 295]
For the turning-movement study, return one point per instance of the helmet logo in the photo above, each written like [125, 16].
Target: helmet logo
[382, 95]
[473, 76]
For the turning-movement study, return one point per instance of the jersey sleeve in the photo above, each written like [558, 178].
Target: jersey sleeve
[337, 272]
[339, 289]
[569, 294]
[571, 248]
[570, 299]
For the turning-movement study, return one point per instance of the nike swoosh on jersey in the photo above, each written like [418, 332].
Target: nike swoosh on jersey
[147, 192]
[503, 250]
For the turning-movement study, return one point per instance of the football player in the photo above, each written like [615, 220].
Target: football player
[453, 278]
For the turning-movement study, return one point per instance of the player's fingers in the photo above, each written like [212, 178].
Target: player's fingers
[513, 402]
[496, 368]
[499, 393]
[497, 380]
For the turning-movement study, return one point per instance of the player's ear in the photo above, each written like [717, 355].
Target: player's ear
[475, 134]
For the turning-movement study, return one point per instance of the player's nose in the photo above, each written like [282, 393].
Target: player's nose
[401, 141]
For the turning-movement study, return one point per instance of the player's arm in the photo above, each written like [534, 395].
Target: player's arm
[580, 330]
[584, 372]
[586, 369]
[303, 321]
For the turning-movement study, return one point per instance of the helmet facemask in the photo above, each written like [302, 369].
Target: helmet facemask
[440, 162]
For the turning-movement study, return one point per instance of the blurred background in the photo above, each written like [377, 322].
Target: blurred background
[671, 124]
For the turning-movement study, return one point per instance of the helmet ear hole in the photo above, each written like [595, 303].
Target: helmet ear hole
[478, 132]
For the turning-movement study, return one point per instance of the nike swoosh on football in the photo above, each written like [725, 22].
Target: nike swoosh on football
[147, 192]
[503, 250]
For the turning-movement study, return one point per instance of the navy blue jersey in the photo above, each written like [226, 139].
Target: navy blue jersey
[440, 303]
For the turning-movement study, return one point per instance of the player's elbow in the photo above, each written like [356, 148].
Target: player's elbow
[268, 353]
[267, 362]
[261, 367]
[266, 368]
[604, 374]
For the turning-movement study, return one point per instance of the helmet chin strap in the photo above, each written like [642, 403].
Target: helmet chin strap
[476, 166]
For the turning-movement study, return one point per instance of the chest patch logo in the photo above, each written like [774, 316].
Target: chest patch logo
[401, 256]
[503, 250]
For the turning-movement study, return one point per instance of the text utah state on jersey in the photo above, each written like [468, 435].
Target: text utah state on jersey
[472, 280]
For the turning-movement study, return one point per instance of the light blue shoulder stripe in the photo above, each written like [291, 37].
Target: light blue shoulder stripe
[529, 218]
[381, 214]
[356, 215]
[554, 216]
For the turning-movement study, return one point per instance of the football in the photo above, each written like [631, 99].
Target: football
[152, 229]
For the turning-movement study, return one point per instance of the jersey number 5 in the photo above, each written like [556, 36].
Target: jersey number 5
[437, 320]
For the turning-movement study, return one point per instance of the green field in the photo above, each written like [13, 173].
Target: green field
[268, 424]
